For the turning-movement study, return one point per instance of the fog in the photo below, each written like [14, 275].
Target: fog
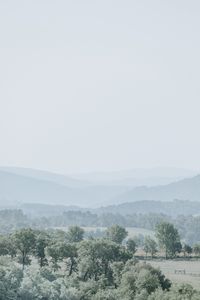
[99, 86]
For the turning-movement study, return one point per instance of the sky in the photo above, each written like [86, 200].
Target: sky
[99, 85]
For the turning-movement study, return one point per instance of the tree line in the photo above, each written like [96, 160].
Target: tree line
[188, 226]
[40, 243]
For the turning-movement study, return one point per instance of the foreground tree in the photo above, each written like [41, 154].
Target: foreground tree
[140, 280]
[24, 241]
[53, 251]
[150, 246]
[116, 233]
[187, 250]
[196, 249]
[75, 234]
[96, 258]
[168, 238]
[42, 241]
[131, 246]
[10, 281]
[7, 246]
[69, 252]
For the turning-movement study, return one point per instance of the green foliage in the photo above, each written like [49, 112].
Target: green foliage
[96, 257]
[6, 246]
[110, 294]
[187, 249]
[24, 241]
[150, 246]
[116, 233]
[12, 219]
[168, 238]
[10, 280]
[69, 251]
[53, 251]
[131, 246]
[42, 241]
[187, 225]
[75, 234]
[196, 249]
[140, 280]
[97, 269]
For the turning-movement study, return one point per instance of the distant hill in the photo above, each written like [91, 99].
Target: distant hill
[186, 189]
[171, 208]
[45, 175]
[16, 189]
[138, 177]
[19, 185]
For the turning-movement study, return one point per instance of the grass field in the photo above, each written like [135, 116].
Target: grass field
[192, 270]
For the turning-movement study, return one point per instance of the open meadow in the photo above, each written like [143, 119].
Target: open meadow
[175, 269]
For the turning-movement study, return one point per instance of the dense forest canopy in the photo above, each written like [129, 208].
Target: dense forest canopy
[64, 265]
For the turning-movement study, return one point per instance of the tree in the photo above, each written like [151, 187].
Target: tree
[42, 241]
[97, 256]
[140, 280]
[187, 249]
[116, 233]
[117, 269]
[146, 280]
[10, 281]
[168, 238]
[24, 241]
[75, 234]
[196, 249]
[6, 246]
[53, 251]
[69, 251]
[131, 246]
[150, 246]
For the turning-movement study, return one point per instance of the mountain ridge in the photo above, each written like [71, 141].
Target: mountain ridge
[33, 186]
[17, 189]
[185, 189]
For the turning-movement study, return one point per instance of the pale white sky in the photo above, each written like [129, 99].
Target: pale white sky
[99, 85]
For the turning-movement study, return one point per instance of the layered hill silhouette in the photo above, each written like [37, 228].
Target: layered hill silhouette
[47, 188]
[47, 176]
[186, 189]
[19, 186]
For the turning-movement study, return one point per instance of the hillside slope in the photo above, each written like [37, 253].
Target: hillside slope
[17, 189]
[45, 175]
[186, 189]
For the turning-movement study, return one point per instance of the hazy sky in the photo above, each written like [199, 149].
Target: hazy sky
[99, 85]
